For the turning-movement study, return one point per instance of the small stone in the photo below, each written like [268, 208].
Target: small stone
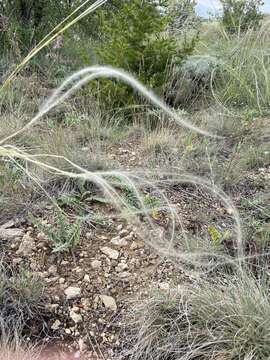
[52, 307]
[96, 264]
[56, 325]
[68, 331]
[123, 233]
[119, 227]
[62, 281]
[72, 292]
[111, 253]
[108, 302]
[164, 286]
[77, 318]
[121, 267]
[119, 242]
[41, 236]
[17, 261]
[52, 270]
[82, 345]
[8, 224]
[26, 245]
[124, 274]
[10, 234]
[135, 245]
[86, 278]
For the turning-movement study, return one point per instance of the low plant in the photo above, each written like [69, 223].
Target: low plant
[225, 320]
[63, 234]
[22, 299]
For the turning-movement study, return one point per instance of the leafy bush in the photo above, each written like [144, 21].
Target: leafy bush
[240, 15]
[135, 40]
[192, 80]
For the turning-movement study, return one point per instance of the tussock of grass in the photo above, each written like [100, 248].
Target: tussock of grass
[223, 320]
[22, 299]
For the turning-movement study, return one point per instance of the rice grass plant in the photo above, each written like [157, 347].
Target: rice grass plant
[243, 79]
[225, 319]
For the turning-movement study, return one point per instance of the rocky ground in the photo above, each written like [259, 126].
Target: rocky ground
[88, 290]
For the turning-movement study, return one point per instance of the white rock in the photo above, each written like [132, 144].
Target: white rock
[72, 292]
[164, 286]
[111, 253]
[26, 246]
[8, 224]
[10, 234]
[96, 264]
[124, 274]
[82, 345]
[56, 325]
[136, 245]
[119, 242]
[121, 267]
[86, 278]
[108, 302]
[123, 233]
[77, 318]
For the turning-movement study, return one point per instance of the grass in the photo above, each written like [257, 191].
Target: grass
[22, 300]
[224, 316]
[241, 80]
[225, 320]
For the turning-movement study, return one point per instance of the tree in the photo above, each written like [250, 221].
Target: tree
[30, 20]
[135, 39]
[241, 15]
[183, 15]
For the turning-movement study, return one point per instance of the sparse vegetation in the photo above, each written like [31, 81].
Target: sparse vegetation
[105, 196]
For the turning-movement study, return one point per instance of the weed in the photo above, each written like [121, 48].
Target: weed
[64, 234]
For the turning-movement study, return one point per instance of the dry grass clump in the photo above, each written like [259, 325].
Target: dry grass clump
[223, 320]
[22, 300]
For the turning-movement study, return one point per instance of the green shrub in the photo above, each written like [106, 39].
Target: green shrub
[135, 40]
[240, 15]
